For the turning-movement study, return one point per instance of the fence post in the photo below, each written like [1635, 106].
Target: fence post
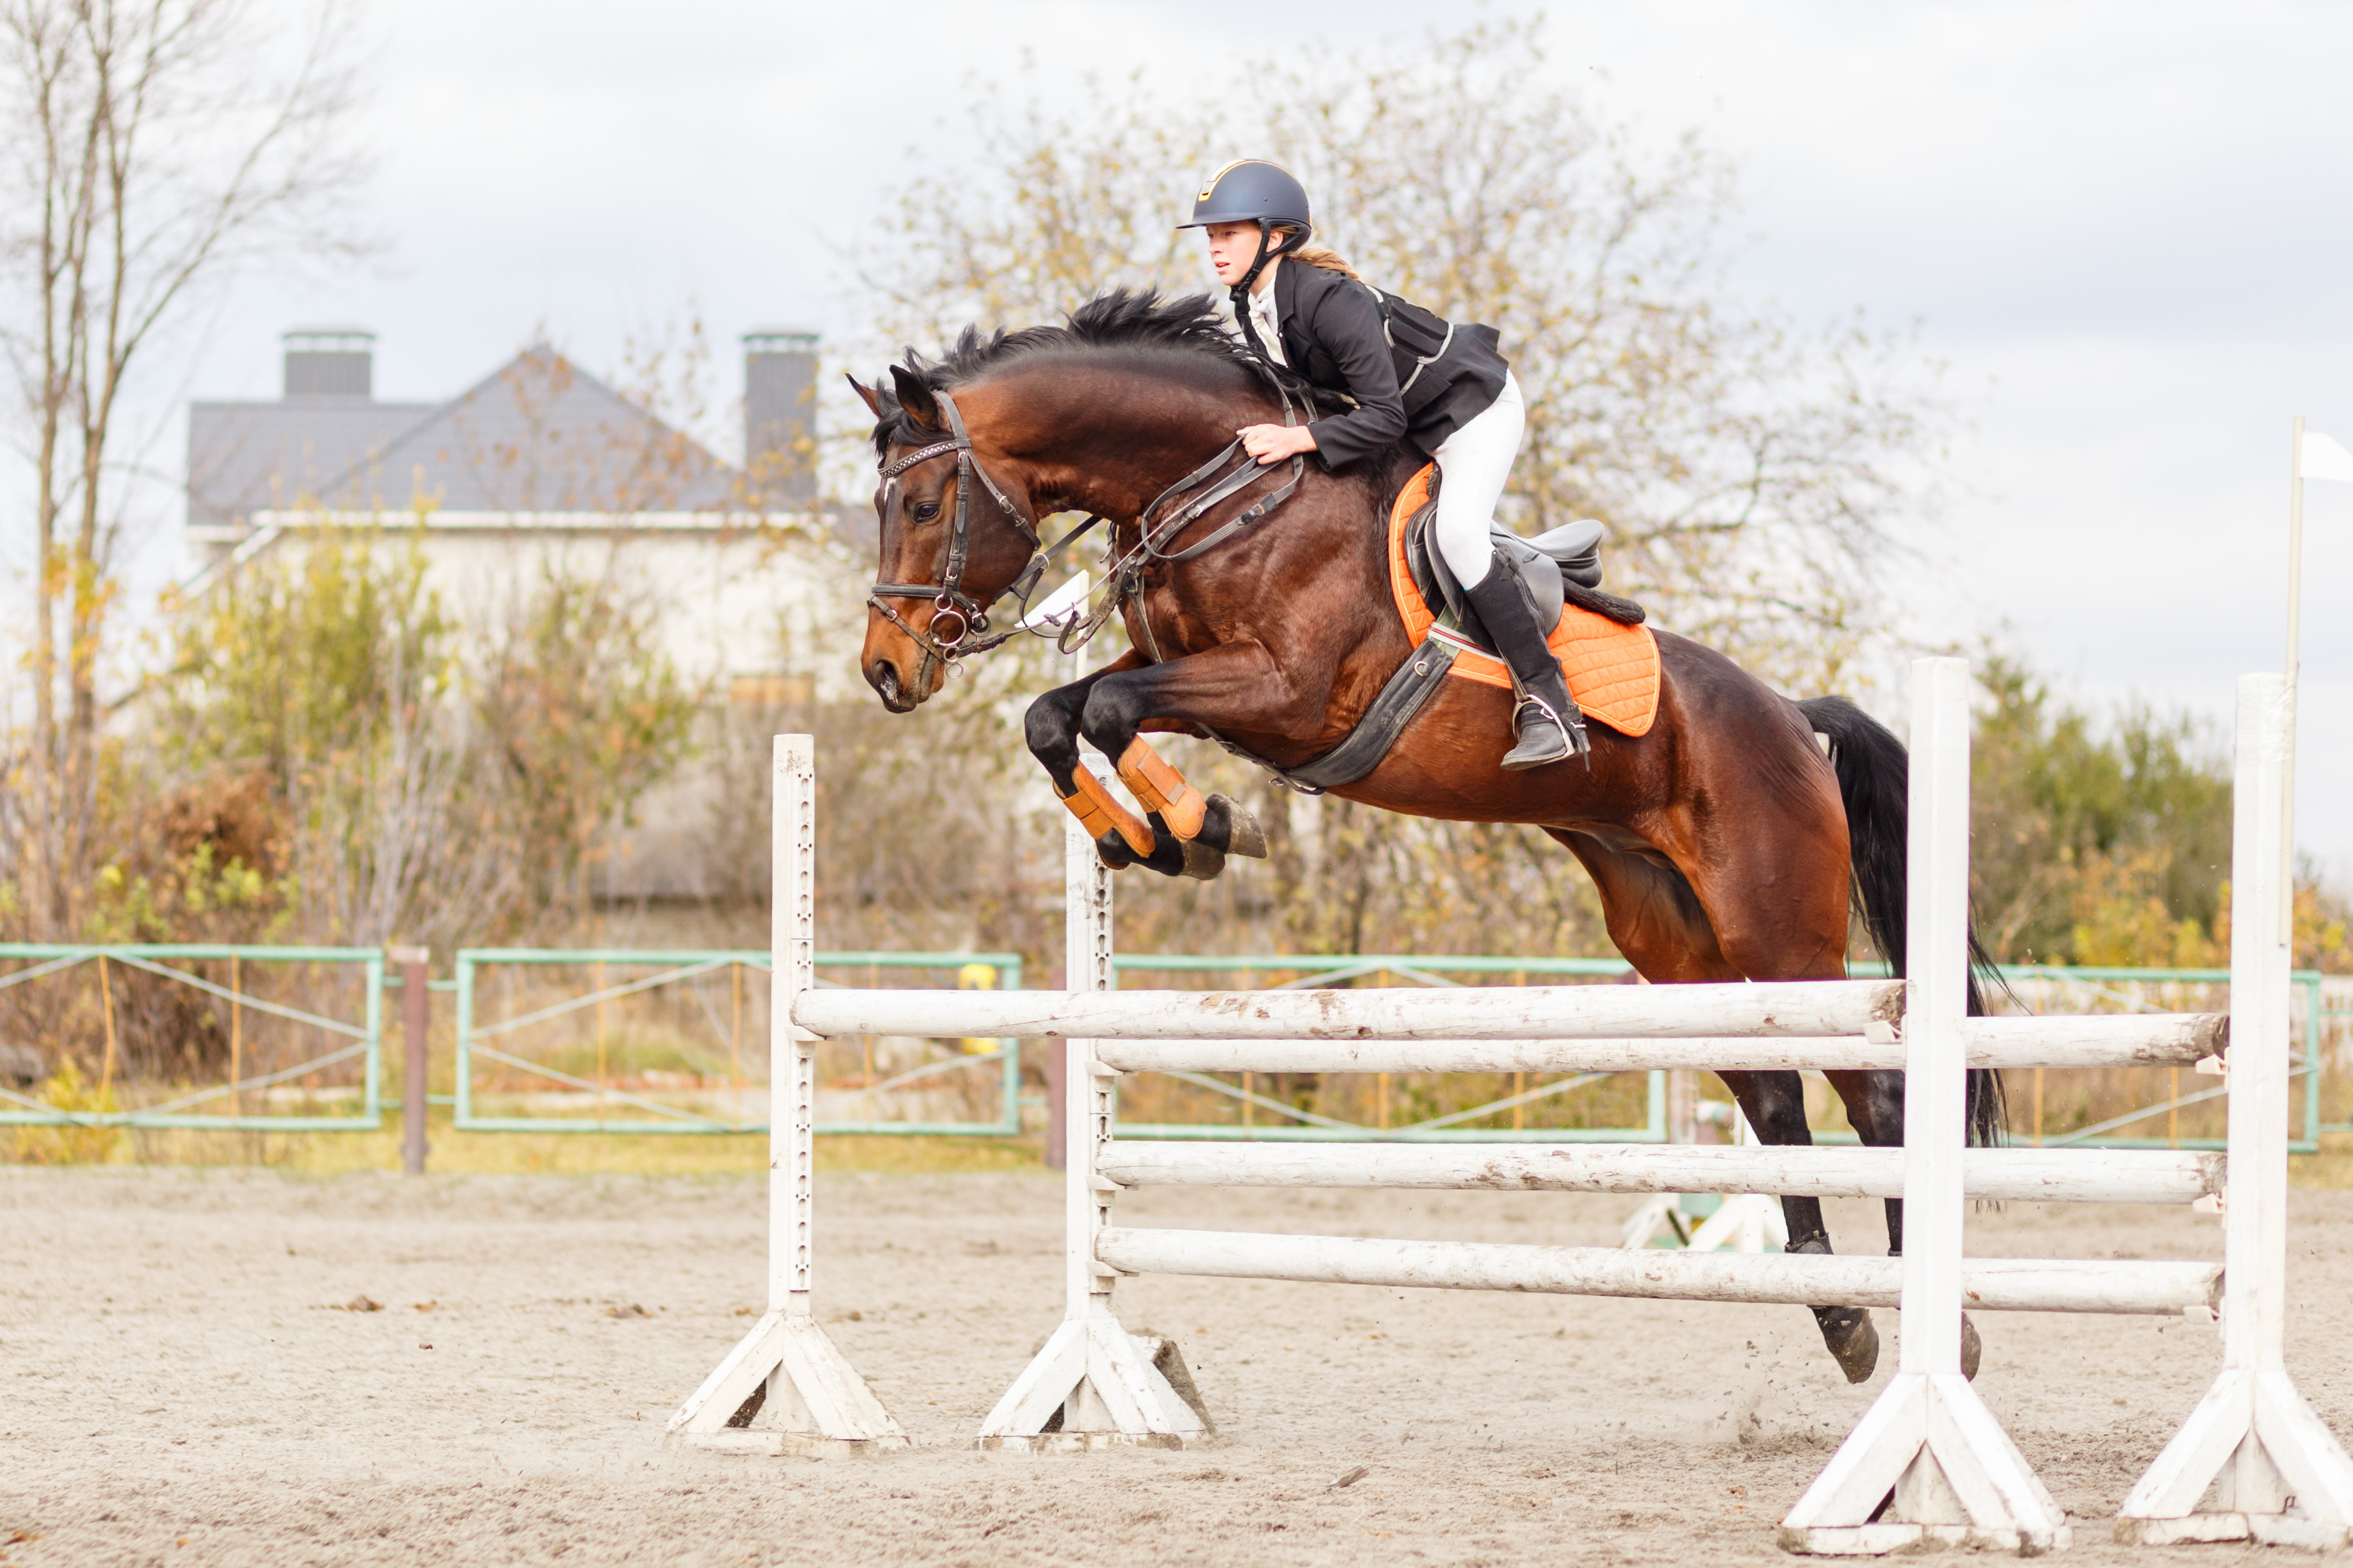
[413, 1002]
[1683, 1105]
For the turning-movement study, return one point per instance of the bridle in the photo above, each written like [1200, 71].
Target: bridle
[1125, 573]
[947, 595]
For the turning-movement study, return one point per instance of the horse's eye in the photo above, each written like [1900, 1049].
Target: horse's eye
[926, 510]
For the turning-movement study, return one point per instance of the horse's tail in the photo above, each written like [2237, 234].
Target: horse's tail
[1874, 778]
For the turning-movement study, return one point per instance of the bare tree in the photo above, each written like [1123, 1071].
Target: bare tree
[157, 147]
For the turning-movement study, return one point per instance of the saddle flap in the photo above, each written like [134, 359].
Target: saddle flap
[1539, 576]
[1538, 572]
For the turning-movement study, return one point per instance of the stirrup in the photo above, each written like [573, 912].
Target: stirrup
[1545, 736]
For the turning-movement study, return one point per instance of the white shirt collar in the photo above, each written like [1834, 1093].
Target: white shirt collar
[1265, 318]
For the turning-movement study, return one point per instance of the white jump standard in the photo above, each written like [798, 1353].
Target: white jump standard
[1928, 1461]
[787, 1373]
[1092, 1384]
[2277, 1472]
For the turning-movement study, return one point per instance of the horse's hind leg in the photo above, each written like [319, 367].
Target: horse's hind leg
[1874, 1104]
[1656, 919]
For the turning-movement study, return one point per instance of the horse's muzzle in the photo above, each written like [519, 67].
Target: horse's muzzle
[883, 677]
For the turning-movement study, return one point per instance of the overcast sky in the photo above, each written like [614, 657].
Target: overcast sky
[2125, 228]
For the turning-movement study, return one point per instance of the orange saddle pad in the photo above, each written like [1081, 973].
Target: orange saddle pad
[1614, 671]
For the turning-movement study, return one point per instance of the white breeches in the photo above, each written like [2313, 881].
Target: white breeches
[1476, 461]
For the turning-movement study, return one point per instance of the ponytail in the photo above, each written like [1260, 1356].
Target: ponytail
[1317, 255]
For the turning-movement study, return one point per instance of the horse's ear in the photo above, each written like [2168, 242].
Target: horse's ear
[916, 398]
[873, 399]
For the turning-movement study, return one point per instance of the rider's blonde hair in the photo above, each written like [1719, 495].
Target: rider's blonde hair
[1318, 255]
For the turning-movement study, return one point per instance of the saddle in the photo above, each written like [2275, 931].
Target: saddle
[1555, 568]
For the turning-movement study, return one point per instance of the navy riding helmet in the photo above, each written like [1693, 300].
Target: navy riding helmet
[1252, 190]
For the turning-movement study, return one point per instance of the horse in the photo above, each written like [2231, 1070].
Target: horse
[1725, 843]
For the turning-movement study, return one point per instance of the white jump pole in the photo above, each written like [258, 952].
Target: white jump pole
[2253, 1460]
[1928, 1450]
[2014, 1285]
[2092, 1040]
[2180, 1176]
[1800, 1008]
[1092, 1384]
[786, 1371]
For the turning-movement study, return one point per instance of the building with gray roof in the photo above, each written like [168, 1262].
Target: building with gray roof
[538, 471]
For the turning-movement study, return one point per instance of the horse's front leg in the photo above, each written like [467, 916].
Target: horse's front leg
[1052, 729]
[1236, 686]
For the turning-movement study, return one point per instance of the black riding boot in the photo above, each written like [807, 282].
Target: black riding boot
[1549, 725]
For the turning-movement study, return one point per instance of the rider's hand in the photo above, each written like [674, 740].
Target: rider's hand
[1273, 443]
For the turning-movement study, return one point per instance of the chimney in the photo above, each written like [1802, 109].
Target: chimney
[780, 416]
[329, 362]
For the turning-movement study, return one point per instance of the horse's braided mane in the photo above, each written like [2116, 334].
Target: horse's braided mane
[1136, 322]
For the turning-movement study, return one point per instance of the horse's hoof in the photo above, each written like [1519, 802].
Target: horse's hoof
[1113, 852]
[1852, 1339]
[1202, 863]
[1972, 1348]
[1229, 826]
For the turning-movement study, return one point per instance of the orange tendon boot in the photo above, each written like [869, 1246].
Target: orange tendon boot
[1162, 788]
[1099, 813]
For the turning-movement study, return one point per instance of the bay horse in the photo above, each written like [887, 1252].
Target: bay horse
[1725, 844]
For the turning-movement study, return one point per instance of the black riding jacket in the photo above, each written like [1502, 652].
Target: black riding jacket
[1337, 333]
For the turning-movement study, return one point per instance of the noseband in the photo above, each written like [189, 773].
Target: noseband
[947, 595]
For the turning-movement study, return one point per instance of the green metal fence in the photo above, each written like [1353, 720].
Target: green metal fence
[356, 1043]
[743, 1033]
[2334, 1027]
[273, 1043]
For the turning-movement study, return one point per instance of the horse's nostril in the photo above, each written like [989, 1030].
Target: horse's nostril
[884, 680]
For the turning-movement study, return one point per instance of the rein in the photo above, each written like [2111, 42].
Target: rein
[1124, 572]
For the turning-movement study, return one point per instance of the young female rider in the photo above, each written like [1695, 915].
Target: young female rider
[1442, 387]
